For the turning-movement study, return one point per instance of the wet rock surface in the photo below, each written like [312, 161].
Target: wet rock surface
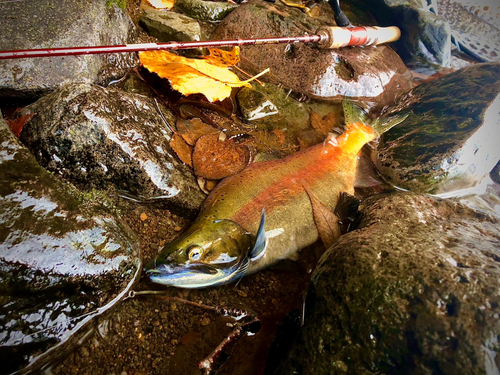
[205, 10]
[61, 23]
[97, 138]
[316, 73]
[424, 35]
[62, 261]
[450, 140]
[415, 289]
[170, 26]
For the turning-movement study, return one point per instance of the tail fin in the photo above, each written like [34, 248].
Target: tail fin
[382, 124]
[354, 113]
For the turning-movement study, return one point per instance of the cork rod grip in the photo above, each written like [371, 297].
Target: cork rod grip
[336, 37]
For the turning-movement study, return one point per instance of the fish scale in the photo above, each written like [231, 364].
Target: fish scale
[475, 25]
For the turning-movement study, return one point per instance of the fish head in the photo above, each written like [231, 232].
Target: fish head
[210, 253]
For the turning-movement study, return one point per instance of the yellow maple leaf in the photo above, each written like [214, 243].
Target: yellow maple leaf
[223, 58]
[160, 4]
[192, 76]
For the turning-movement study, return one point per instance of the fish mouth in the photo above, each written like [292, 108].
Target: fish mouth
[174, 269]
[190, 276]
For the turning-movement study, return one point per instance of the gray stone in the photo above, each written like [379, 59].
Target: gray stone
[100, 138]
[451, 139]
[170, 26]
[61, 23]
[414, 290]
[424, 35]
[63, 261]
[306, 69]
[204, 10]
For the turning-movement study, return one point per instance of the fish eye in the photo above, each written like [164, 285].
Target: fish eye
[195, 252]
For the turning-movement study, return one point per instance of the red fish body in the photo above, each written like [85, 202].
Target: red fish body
[281, 187]
[267, 212]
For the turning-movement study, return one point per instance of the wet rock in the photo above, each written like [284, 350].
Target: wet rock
[62, 262]
[61, 23]
[317, 73]
[415, 290]
[254, 105]
[450, 140]
[205, 10]
[495, 173]
[170, 26]
[424, 35]
[99, 138]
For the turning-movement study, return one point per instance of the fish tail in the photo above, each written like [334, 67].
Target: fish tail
[355, 114]
[384, 123]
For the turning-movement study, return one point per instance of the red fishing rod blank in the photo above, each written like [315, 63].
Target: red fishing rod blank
[327, 37]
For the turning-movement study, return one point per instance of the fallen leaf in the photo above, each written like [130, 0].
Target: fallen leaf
[183, 150]
[215, 159]
[280, 137]
[144, 217]
[223, 58]
[17, 124]
[191, 130]
[326, 221]
[308, 138]
[325, 125]
[160, 4]
[192, 76]
[207, 185]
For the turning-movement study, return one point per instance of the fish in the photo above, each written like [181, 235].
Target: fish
[474, 24]
[265, 213]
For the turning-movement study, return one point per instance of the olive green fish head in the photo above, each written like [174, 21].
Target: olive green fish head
[209, 253]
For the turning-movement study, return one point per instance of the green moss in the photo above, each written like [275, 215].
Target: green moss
[119, 3]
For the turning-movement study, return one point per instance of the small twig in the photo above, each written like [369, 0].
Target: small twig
[163, 117]
[248, 75]
[214, 360]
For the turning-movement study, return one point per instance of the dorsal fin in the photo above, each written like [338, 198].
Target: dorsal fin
[259, 247]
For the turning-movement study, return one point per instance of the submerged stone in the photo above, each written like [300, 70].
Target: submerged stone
[316, 73]
[254, 105]
[58, 24]
[414, 290]
[450, 141]
[62, 263]
[100, 138]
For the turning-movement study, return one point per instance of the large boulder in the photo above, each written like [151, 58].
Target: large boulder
[100, 138]
[451, 139]
[57, 24]
[414, 290]
[316, 73]
[62, 261]
[424, 35]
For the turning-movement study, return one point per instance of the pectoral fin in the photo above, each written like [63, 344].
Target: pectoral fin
[326, 221]
[259, 247]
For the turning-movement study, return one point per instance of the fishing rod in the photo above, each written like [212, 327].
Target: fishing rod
[327, 37]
